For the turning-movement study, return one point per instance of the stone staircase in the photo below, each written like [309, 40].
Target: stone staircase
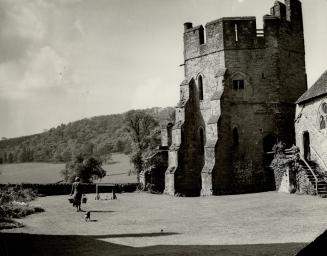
[312, 174]
[314, 177]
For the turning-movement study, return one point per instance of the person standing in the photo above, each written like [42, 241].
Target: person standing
[77, 194]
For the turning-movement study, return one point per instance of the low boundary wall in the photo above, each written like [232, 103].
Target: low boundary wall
[50, 189]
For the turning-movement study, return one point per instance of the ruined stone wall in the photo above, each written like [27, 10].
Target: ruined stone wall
[307, 119]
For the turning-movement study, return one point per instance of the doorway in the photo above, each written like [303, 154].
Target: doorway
[306, 145]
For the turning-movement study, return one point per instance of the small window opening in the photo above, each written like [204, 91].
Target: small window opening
[238, 85]
[235, 137]
[201, 36]
[322, 122]
[236, 33]
[169, 134]
[263, 76]
[200, 85]
[324, 107]
[201, 140]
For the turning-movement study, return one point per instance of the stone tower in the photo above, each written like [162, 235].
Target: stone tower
[237, 100]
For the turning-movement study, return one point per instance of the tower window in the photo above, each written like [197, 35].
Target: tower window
[324, 108]
[201, 140]
[322, 122]
[235, 137]
[200, 86]
[238, 85]
[236, 33]
[201, 36]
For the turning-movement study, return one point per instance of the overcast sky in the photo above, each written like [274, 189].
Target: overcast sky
[65, 60]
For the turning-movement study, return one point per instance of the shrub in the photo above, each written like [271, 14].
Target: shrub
[7, 223]
[14, 204]
[87, 169]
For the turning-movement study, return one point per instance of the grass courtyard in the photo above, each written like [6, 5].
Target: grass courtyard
[145, 224]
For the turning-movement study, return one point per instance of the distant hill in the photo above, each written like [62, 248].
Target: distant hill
[99, 136]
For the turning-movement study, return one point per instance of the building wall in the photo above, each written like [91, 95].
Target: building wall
[308, 120]
[230, 49]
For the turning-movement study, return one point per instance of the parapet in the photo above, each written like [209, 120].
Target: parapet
[241, 32]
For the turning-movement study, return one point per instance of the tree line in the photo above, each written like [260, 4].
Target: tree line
[97, 136]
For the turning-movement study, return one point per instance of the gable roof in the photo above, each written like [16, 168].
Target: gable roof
[319, 88]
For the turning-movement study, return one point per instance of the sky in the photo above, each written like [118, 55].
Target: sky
[64, 60]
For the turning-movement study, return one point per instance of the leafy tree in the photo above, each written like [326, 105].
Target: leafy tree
[87, 169]
[145, 135]
[103, 151]
[66, 155]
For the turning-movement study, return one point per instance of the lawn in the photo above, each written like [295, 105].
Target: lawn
[117, 171]
[144, 224]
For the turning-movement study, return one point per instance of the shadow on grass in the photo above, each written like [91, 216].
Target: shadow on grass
[317, 248]
[36, 245]
[113, 162]
[100, 211]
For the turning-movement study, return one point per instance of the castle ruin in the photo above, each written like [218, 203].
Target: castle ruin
[237, 100]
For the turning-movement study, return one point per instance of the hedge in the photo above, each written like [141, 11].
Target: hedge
[51, 189]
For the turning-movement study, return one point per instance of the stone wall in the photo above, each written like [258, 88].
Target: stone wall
[272, 68]
[307, 120]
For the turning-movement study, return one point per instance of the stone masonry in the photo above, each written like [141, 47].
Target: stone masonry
[237, 100]
[311, 123]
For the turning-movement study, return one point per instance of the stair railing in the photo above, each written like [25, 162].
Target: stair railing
[312, 172]
[322, 161]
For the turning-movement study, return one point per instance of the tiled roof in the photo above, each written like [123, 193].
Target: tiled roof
[318, 89]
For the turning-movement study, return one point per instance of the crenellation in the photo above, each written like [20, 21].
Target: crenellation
[279, 10]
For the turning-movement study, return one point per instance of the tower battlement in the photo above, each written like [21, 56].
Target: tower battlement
[242, 32]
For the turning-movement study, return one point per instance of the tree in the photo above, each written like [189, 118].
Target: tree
[66, 155]
[103, 151]
[87, 169]
[145, 135]
[10, 157]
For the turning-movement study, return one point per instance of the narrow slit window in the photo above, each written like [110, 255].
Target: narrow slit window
[236, 33]
[235, 85]
[235, 137]
[322, 123]
[241, 84]
[200, 85]
[202, 140]
[201, 36]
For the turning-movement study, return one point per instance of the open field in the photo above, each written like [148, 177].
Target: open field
[143, 224]
[117, 172]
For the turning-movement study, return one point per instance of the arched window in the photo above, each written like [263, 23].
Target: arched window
[322, 116]
[268, 142]
[200, 86]
[201, 140]
[324, 108]
[322, 122]
[169, 133]
[235, 137]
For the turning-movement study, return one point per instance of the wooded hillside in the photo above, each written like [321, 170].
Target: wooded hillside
[98, 136]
